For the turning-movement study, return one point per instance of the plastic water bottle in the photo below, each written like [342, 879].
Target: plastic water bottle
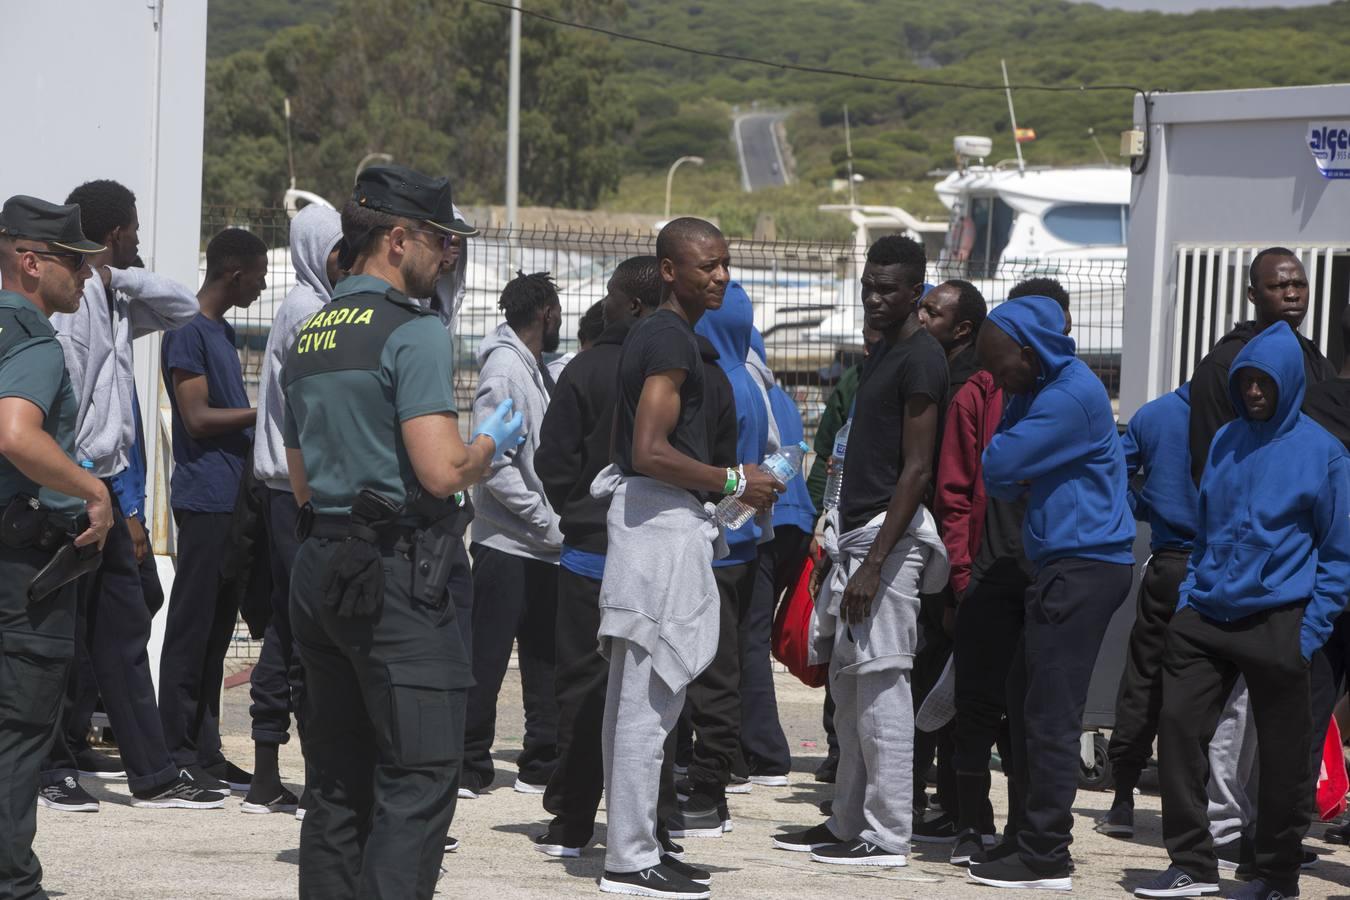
[834, 481]
[784, 466]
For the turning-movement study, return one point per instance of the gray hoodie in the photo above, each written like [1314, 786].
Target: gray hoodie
[97, 340]
[315, 231]
[511, 512]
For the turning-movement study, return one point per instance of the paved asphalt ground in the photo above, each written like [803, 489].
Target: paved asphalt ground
[762, 163]
[123, 853]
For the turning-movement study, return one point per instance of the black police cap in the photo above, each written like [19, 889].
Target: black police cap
[399, 191]
[38, 220]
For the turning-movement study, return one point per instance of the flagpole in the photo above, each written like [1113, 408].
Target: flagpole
[1012, 114]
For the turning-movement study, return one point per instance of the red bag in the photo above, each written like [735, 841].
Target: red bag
[1332, 782]
[792, 628]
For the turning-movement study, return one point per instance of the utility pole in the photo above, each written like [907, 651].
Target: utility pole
[848, 148]
[513, 122]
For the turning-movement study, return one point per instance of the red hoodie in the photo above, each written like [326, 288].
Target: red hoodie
[972, 419]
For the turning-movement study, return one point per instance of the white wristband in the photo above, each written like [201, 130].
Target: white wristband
[741, 483]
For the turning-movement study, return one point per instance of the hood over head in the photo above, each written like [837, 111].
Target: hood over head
[1184, 392]
[315, 231]
[1276, 352]
[1037, 322]
[729, 327]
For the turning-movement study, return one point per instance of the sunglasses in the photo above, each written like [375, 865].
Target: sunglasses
[446, 240]
[72, 260]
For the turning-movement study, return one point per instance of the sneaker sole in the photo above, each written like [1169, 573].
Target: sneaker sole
[1190, 890]
[1124, 832]
[801, 848]
[73, 807]
[524, 787]
[894, 860]
[178, 804]
[466, 794]
[106, 776]
[558, 851]
[962, 859]
[715, 832]
[740, 788]
[1226, 866]
[1040, 884]
[452, 848]
[633, 890]
[769, 780]
[262, 809]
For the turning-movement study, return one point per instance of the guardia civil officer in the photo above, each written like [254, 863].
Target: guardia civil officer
[374, 458]
[55, 515]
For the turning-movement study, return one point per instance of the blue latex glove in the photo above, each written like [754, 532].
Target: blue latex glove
[507, 430]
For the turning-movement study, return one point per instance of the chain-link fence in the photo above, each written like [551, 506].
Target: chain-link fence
[805, 296]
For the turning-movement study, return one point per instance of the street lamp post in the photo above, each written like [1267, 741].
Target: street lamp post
[670, 176]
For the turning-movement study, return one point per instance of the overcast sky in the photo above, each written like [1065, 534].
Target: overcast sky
[1189, 5]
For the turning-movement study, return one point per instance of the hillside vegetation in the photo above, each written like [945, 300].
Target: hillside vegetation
[603, 118]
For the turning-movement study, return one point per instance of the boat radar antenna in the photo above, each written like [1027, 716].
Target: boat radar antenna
[1012, 114]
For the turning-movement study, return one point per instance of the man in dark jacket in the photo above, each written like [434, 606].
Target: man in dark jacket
[1278, 288]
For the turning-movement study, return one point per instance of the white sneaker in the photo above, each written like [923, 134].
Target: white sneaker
[524, 787]
[769, 780]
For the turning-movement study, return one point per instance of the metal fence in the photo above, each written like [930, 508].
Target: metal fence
[805, 296]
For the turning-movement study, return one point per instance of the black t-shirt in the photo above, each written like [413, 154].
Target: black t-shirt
[1328, 404]
[1000, 559]
[915, 366]
[659, 343]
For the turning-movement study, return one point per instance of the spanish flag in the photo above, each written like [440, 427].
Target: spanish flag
[1024, 135]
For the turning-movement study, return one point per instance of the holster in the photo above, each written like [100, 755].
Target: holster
[447, 520]
[355, 584]
[66, 565]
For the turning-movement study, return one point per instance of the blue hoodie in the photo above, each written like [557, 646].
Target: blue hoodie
[1158, 442]
[728, 330]
[1274, 506]
[794, 508]
[1061, 438]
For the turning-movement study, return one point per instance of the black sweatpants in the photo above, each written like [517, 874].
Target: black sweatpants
[1201, 662]
[196, 637]
[278, 679]
[1068, 608]
[929, 660]
[517, 602]
[1140, 697]
[988, 629]
[763, 744]
[713, 701]
[112, 661]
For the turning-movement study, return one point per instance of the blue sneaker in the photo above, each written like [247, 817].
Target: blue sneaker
[1175, 883]
[1260, 889]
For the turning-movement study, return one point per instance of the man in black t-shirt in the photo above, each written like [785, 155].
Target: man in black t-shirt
[658, 599]
[888, 549]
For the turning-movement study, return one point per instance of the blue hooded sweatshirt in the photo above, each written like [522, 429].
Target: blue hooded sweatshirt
[1061, 438]
[794, 507]
[1274, 506]
[728, 330]
[1158, 442]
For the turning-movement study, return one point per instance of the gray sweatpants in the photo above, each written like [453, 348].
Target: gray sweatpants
[874, 790]
[1232, 769]
[648, 709]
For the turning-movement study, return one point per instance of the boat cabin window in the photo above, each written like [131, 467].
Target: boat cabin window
[1088, 223]
[978, 233]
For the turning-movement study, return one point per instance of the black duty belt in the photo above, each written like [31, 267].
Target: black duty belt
[339, 528]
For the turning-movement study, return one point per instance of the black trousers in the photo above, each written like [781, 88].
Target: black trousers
[196, 637]
[517, 601]
[113, 629]
[1068, 608]
[1140, 698]
[384, 726]
[988, 630]
[712, 700]
[1327, 673]
[935, 648]
[37, 644]
[1200, 664]
[763, 744]
[278, 678]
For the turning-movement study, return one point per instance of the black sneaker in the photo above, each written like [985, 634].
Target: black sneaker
[1175, 883]
[284, 802]
[1011, 872]
[451, 844]
[469, 787]
[93, 764]
[828, 769]
[680, 867]
[739, 784]
[969, 844]
[1339, 834]
[858, 853]
[1245, 870]
[937, 830]
[668, 846]
[204, 779]
[549, 845]
[1000, 849]
[181, 793]
[67, 796]
[806, 841]
[690, 822]
[658, 881]
[525, 787]
[232, 775]
[1118, 823]
[1260, 889]
[768, 780]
